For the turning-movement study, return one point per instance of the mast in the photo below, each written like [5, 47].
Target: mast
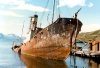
[53, 10]
[77, 13]
[22, 29]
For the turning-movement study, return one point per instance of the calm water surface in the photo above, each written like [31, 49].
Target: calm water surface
[10, 59]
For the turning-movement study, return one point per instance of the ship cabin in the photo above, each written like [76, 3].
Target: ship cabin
[94, 45]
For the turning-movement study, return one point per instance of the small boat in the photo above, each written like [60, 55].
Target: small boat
[55, 41]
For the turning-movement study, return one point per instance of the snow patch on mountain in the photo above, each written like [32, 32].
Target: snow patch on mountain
[9, 36]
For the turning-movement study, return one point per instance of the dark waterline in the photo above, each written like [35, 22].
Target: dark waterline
[10, 59]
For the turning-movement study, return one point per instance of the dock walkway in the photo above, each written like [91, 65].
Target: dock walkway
[86, 54]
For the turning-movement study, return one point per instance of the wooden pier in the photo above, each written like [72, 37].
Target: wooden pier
[93, 51]
[87, 54]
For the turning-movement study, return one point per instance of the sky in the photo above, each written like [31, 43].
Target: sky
[13, 13]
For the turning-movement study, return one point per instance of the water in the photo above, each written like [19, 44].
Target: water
[10, 59]
[83, 45]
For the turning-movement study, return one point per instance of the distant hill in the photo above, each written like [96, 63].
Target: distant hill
[1, 35]
[82, 37]
[88, 36]
[8, 36]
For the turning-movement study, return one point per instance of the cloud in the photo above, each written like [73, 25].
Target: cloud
[72, 3]
[90, 4]
[3, 27]
[91, 27]
[2, 6]
[12, 2]
[30, 7]
[22, 5]
[10, 28]
[10, 13]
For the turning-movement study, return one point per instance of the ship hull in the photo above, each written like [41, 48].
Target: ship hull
[57, 48]
[53, 42]
[57, 53]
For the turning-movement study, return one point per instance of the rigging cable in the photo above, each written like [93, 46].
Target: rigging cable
[49, 14]
[58, 7]
[53, 11]
[17, 39]
[41, 18]
[56, 10]
[22, 29]
[67, 9]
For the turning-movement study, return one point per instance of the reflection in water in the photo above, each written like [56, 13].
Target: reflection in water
[93, 64]
[10, 59]
[34, 62]
[79, 62]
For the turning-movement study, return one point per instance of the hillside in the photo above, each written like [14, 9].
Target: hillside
[88, 36]
[8, 36]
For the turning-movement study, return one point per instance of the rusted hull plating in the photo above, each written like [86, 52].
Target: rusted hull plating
[55, 41]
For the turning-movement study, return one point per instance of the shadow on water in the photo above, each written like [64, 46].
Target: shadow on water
[34, 62]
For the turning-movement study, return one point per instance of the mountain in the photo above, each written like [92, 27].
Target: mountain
[8, 36]
[1, 35]
[84, 37]
[11, 36]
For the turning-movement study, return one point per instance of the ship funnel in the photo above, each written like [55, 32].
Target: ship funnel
[33, 24]
[33, 21]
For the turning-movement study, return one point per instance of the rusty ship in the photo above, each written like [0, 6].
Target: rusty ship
[55, 41]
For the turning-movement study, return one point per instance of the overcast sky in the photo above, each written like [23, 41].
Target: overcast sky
[13, 13]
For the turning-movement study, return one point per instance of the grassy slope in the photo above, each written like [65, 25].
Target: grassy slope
[88, 36]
